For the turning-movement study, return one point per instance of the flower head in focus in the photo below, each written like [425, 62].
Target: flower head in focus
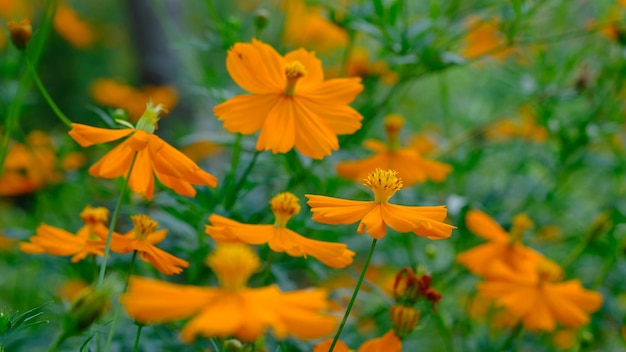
[152, 157]
[411, 166]
[278, 236]
[231, 309]
[143, 238]
[290, 102]
[374, 216]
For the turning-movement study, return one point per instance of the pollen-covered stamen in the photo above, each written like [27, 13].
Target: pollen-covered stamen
[91, 215]
[384, 183]
[144, 226]
[393, 125]
[233, 265]
[284, 205]
[294, 70]
[521, 223]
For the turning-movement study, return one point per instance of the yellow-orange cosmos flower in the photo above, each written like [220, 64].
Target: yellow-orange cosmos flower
[56, 241]
[500, 248]
[411, 166]
[541, 300]
[290, 102]
[278, 236]
[232, 309]
[376, 215]
[154, 157]
[143, 238]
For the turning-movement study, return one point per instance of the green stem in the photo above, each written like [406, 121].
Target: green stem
[58, 341]
[46, 95]
[270, 259]
[137, 337]
[354, 294]
[230, 201]
[118, 308]
[116, 212]
[517, 330]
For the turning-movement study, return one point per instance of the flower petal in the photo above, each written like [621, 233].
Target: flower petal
[278, 133]
[256, 67]
[88, 135]
[329, 210]
[484, 226]
[246, 113]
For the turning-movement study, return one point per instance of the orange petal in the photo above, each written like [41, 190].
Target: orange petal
[246, 113]
[227, 230]
[313, 137]
[256, 67]
[334, 211]
[278, 133]
[114, 164]
[314, 71]
[484, 226]
[88, 135]
[386, 343]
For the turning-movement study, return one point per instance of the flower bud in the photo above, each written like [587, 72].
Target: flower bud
[20, 32]
[88, 306]
[261, 19]
[5, 323]
[404, 319]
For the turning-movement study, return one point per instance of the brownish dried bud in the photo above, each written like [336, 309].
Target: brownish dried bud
[20, 32]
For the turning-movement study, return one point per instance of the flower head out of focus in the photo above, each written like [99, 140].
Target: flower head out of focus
[115, 94]
[526, 127]
[290, 102]
[410, 165]
[278, 236]
[501, 247]
[20, 32]
[152, 157]
[484, 38]
[143, 238]
[389, 342]
[59, 242]
[540, 299]
[306, 26]
[374, 216]
[360, 65]
[231, 309]
[70, 26]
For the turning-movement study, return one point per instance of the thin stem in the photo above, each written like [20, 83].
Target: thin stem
[46, 95]
[270, 259]
[137, 337]
[118, 205]
[230, 201]
[517, 330]
[118, 308]
[354, 294]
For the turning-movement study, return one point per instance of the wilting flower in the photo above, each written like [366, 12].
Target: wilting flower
[71, 27]
[278, 236]
[500, 248]
[411, 166]
[374, 216]
[152, 157]
[540, 300]
[115, 94]
[389, 342]
[306, 26]
[59, 242]
[143, 239]
[232, 309]
[290, 103]
[484, 38]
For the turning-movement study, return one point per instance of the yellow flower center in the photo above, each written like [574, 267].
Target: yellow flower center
[549, 271]
[233, 264]
[393, 125]
[521, 223]
[144, 226]
[294, 70]
[148, 121]
[284, 205]
[91, 215]
[384, 183]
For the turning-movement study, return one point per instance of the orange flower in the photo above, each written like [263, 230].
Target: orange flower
[56, 241]
[387, 343]
[20, 32]
[278, 236]
[484, 38]
[115, 94]
[359, 64]
[540, 300]
[525, 128]
[290, 103]
[71, 27]
[143, 239]
[306, 26]
[411, 166]
[233, 309]
[500, 248]
[374, 216]
[154, 157]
